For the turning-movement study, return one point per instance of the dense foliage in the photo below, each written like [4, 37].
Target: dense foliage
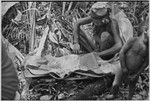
[23, 23]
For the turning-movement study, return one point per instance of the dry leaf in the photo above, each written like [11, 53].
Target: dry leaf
[19, 15]
[53, 37]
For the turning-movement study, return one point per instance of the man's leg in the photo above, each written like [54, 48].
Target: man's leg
[107, 42]
[132, 85]
[115, 86]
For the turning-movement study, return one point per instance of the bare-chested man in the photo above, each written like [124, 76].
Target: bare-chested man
[134, 58]
[102, 22]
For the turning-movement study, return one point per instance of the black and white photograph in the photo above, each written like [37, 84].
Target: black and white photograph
[75, 50]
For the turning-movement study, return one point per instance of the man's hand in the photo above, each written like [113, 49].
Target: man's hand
[76, 48]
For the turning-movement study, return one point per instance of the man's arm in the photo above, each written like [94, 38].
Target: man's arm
[118, 42]
[122, 54]
[80, 22]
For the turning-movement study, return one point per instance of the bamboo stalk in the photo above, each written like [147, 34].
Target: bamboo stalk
[49, 11]
[63, 10]
[32, 19]
[70, 5]
[29, 20]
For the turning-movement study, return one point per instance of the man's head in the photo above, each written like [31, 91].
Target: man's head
[144, 34]
[143, 29]
[99, 12]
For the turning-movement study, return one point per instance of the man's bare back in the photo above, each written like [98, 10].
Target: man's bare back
[134, 59]
[135, 55]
